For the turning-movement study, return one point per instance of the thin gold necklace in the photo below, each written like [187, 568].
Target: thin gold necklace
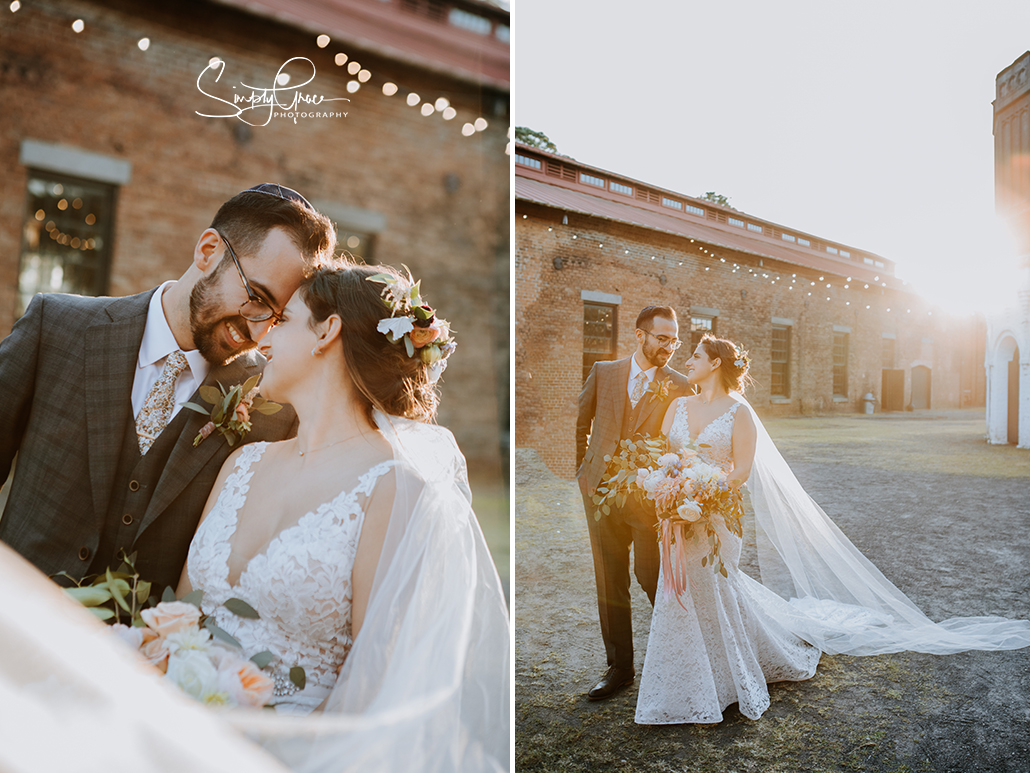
[328, 445]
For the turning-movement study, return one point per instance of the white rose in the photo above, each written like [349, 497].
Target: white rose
[198, 639]
[689, 511]
[396, 327]
[665, 459]
[193, 673]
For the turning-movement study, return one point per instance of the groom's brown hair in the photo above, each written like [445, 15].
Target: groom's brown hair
[645, 317]
[247, 217]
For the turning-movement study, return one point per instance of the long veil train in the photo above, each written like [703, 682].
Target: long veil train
[839, 601]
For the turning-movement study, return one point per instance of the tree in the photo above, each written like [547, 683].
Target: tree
[717, 198]
[535, 139]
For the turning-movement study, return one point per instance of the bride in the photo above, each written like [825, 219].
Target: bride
[725, 638]
[356, 545]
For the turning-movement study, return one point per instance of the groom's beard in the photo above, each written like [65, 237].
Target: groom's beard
[210, 335]
[655, 355]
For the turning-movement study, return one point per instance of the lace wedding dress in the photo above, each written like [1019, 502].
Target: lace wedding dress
[725, 638]
[300, 585]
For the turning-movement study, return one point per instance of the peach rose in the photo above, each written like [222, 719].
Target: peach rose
[171, 616]
[256, 685]
[156, 653]
[421, 336]
[242, 412]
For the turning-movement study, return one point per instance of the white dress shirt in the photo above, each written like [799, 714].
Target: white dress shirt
[158, 343]
[634, 369]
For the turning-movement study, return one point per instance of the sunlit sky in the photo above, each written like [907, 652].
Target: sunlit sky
[868, 123]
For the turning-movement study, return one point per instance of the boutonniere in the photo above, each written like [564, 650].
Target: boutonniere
[231, 412]
[658, 390]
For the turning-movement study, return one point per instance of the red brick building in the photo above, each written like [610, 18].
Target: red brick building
[121, 134]
[825, 323]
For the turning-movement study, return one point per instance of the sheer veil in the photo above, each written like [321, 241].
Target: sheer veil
[426, 686]
[838, 600]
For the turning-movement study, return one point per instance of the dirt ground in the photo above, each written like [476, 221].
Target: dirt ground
[940, 512]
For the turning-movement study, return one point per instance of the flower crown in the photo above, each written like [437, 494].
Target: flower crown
[415, 323]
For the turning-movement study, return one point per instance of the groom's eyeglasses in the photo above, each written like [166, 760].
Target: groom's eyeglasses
[255, 309]
[672, 344]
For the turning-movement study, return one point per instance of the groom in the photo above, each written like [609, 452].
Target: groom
[621, 399]
[92, 390]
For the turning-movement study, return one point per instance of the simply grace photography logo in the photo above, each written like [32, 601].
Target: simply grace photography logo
[283, 99]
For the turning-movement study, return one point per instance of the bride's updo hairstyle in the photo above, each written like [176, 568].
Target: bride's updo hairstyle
[383, 373]
[734, 365]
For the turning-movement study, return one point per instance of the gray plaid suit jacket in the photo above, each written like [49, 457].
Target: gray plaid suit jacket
[602, 406]
[66, 373]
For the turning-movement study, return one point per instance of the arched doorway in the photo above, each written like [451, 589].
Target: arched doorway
[920, 387]
[1013, 401]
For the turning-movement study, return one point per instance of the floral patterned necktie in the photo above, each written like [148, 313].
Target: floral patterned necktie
[157, 409]
[638, 389]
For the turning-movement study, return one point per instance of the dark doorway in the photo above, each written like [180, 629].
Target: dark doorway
[920, 387]
[892, 390]
[1014, 398]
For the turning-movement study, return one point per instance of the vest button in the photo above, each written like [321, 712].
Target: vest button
[127, 519]
[83, 554]
[133, 485]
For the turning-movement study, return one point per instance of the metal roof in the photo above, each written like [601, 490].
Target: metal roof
[387, 29]
[709, 232]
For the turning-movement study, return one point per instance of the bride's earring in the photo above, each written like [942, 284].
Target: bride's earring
[315, 352]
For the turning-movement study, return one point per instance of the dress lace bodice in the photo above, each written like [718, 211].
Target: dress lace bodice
[300, 585]
[716, 436]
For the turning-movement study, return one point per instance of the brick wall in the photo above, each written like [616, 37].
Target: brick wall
[444, 196]
[645, 267]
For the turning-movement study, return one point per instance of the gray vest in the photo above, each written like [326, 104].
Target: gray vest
[134, 484]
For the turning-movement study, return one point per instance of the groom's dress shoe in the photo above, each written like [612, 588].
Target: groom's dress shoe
[614, 679]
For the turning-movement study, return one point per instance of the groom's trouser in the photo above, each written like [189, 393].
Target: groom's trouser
[610, 541]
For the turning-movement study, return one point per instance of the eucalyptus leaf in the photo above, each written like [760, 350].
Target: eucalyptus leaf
[169, 594]
[268, 408]
[298, 677]
[263, 658]
[89, 597]
[228, 405]
[117, 592]
[210, 395]
[197, 408]
[194, 598]
[218, 633]
[241, 608]
[102, 612]
[249, 384]
[142, 592]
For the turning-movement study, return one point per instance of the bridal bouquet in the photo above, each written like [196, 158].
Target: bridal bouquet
[175, 640]
[688, 496]
[174, 636]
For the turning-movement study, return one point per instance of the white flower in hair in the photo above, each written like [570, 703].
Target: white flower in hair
[396, 327]
[739, 363]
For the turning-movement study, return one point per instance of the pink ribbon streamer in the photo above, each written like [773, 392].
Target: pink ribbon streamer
[674, 562]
